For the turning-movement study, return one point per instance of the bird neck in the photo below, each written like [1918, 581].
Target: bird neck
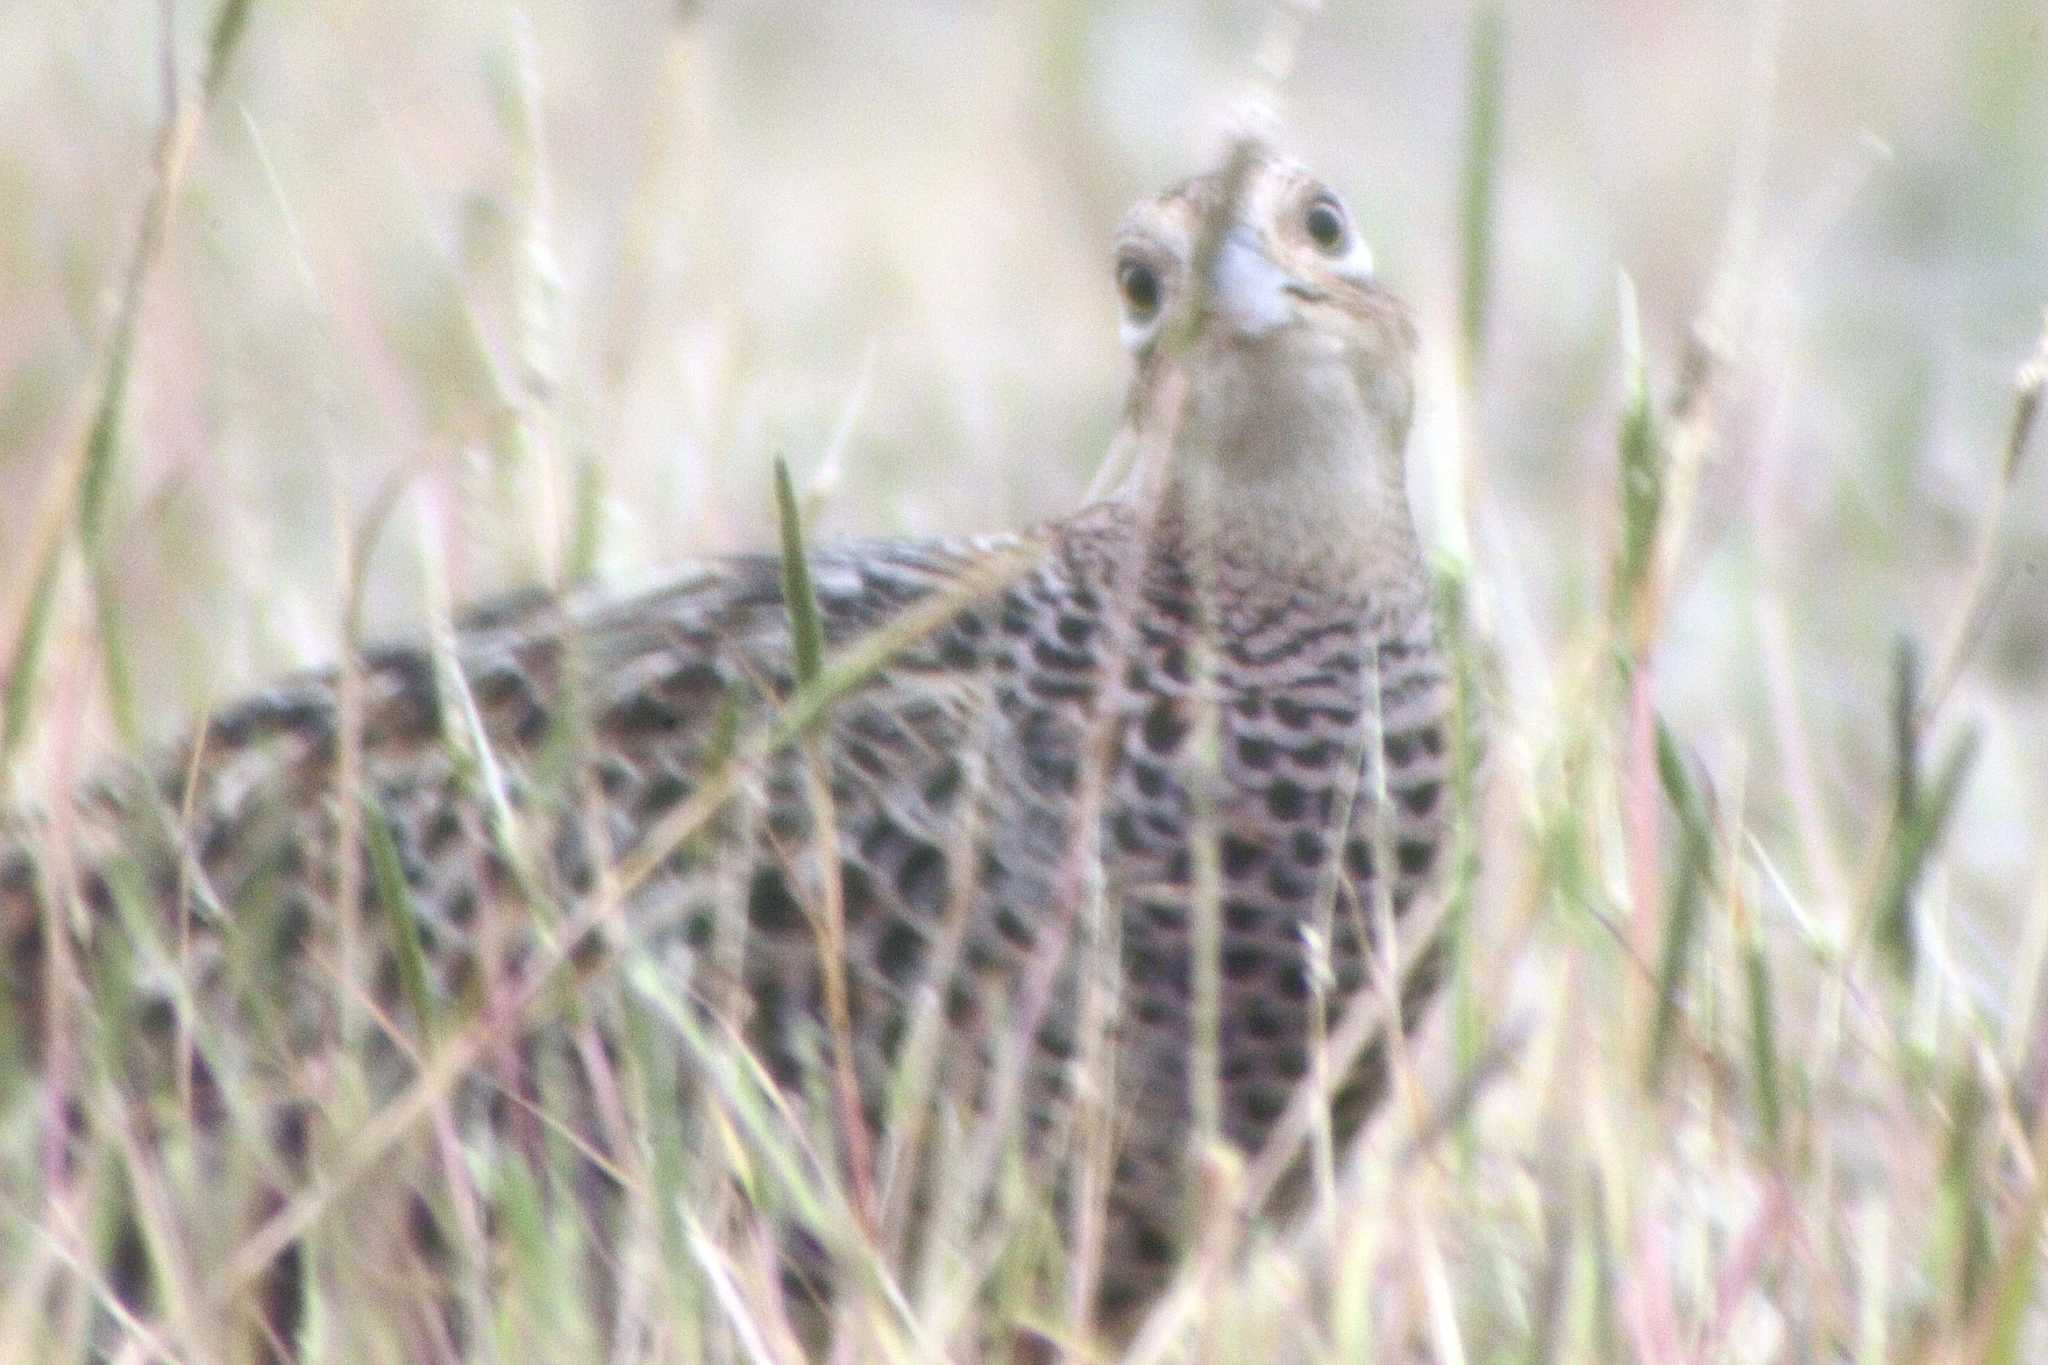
[1312, 496]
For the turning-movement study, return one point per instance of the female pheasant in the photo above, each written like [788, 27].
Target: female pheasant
[1195, 731]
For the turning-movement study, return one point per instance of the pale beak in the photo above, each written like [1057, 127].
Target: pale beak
[1249, 290]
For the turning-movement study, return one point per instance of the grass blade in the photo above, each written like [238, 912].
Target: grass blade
[1688, 894]
[1642, 471]
[396, 897]
[806, 628]
[1763, 1048]
[1481, 176]
[1921, 813]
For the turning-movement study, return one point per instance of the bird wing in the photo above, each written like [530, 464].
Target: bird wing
[495, 778]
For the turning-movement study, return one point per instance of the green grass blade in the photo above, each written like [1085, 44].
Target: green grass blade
[230, 25]
[2015, 1302]
[27, 661]
[1964, 1236]
[806, 628]
[1642, 467]
[1679, 790]
[1687, 900]
[396, 897]
[1916, 838]
[1481, 177]
[1763, 1048]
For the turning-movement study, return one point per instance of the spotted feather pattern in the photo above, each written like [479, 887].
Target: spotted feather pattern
[504, 788]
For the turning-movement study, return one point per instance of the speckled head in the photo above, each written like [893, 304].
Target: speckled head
[1275, 373]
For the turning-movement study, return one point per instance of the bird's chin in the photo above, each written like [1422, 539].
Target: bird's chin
[1308, 337]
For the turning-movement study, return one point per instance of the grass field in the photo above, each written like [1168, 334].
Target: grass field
[352, 309]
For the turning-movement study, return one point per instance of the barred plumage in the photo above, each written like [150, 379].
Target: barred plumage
[1230, 658]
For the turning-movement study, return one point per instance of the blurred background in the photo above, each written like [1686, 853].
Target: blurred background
[563, 278]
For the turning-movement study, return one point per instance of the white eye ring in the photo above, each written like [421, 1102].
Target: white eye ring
[1327, 225]
[1330, 228]
[1144, 298]
[1139, 285]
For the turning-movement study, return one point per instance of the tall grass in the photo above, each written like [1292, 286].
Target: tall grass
[1719, 1076]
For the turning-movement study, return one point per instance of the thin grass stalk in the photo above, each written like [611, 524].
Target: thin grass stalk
[753, 1338]
[2013, 1298]
[33, 1289]
[1322, 1140]
[1462, 641]
[617, 1167]
[1149, 476]
[1763, 1048]
[758, 1130]
[1632, 608]
[105, 578]
[75, 491]
[1206, 891]
[472, 750]
[1551, 1311]
[1970, 615]
[1693, 424]
[475, 1255]
[1795, 752]
[807, 1175]
[1361, 1024]
[914, 1095]
[349, 796]
[1963, 1232]
[539, 322]
[493, 820]
[395, 895]
[31, 636]
[1642, 473]
[807, 629]
[674, 1178]
[64, 1195]
[1880, 905]
[1204, 777]
[1444, 1333]
[807, 636]
[100, 1297]
[1389, 978]
[151, 1206]
[1479, 182]
[1661, 467]
[853, 665]
[1094, 1132]
[1685, 908]
[183, 894]
[1921, 813]
[825, 481]
[522, 1246]
[1742, 1268]
[608, 1072]
[385, 1128]
[1361, 1246]
[2022, 1038]
[829, 923]
[1366, 756]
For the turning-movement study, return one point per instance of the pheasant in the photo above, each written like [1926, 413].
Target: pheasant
[1196, 730]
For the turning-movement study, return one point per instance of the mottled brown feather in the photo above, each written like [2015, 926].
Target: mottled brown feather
[1270, 597]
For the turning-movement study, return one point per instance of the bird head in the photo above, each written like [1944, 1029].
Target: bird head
[1274, 380]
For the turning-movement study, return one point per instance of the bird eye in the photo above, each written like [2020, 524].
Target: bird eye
[1324, 223]
[1139, 284]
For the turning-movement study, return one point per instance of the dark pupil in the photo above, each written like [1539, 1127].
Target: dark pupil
[1325, 226]
[1141, 288]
